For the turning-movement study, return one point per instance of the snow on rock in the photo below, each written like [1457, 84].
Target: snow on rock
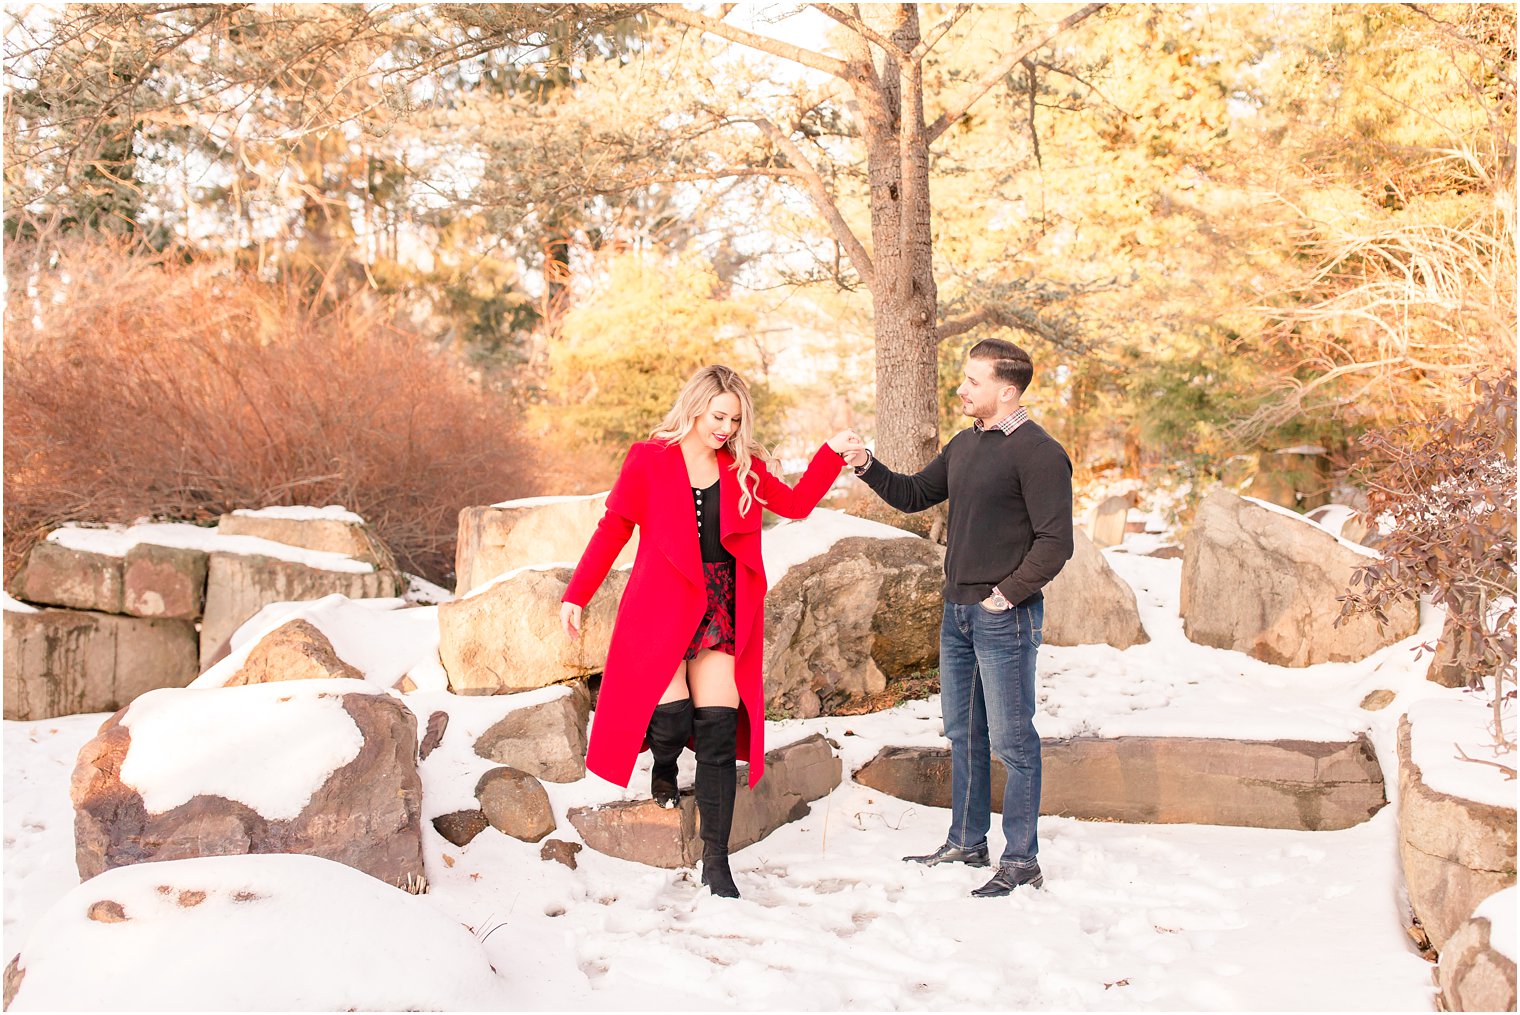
[187, 742]
[1499, 910]
[534, 502]
[383, 638]
[1441, 727]
[15, 605]
[1365, 551]
[792, 542]
[116, 540]
[276, 932]
[303, 513]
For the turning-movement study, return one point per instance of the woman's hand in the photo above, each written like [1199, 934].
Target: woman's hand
[847, 443]
[570, 620]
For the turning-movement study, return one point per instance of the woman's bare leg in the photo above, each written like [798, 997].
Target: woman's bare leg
[677, 688]
[711, 679]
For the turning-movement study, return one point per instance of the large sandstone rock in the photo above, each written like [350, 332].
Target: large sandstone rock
[838, 624]
[366, 813]
[539, 530]
[295, 650]
[1265, 583]
[547, 740]
[643, 831]
[1109, 520]
[66, 662]
[1455, 852]
[507, 638]
[1170, 780]
[163, 581]
[1088, 604]
[58, 575]
[1473, 974]
[335, 532]
[515, 804]
[238, 585]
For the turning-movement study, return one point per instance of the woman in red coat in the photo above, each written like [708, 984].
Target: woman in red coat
[684, 664]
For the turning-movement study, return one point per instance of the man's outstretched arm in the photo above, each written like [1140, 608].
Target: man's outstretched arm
[917, 492]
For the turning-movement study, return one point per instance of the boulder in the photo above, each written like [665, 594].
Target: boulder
[645, 832]
[839, 623]
[328, 530]
[522, 533]
[1109, 520]
[1473, 974]
[185, 792]
[515, 804]
[163, 581]
[238, 585]
[1170, 780]
[507, 637]
[67, 662]
[1262, 581]
[1455, 852]
[547, 740]
[1088, 604]
[1443, 668]
[295, 650]
[58, 575]
[461, 827]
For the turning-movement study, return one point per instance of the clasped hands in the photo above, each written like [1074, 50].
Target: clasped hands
[847, 444]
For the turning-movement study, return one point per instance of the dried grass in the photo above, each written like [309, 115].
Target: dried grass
[139, 384]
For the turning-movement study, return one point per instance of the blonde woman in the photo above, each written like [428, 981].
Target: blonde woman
[684, 665]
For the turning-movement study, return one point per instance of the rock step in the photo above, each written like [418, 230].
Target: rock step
[1296, 784]
[641, 830]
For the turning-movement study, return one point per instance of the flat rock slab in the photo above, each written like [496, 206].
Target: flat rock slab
[643, 831]
[352, 538]
[58, 575]
[238, 585]
[1170, 780]
[69, 662]
[539, 530]
[1455, 852]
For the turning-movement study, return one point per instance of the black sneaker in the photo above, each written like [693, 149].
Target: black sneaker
[1007, 879]
[971, 856]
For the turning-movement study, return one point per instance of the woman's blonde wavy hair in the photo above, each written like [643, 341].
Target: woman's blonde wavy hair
[694, 399]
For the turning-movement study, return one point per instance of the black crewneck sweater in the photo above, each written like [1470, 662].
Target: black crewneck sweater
[1010, 509]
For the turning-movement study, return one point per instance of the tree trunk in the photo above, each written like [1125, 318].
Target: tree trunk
[904, 298]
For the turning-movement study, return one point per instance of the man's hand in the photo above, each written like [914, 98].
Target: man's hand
[570, 619]
[855, 459]
[847, 443]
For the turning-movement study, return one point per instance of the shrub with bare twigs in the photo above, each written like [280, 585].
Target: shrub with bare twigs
[144, 384]
[1447, 485]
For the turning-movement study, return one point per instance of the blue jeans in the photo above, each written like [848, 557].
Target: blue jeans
[987, 694]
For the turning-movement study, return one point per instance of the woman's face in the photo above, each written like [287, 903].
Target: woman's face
[720, 422]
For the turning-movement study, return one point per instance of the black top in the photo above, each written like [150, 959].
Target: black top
[1010, 509]
[708, 531]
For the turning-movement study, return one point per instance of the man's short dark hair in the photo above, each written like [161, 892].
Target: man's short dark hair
[1010, 364]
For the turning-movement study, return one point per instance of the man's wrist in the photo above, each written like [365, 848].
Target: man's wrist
[860, 470]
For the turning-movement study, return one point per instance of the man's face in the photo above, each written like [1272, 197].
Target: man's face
[982, 395]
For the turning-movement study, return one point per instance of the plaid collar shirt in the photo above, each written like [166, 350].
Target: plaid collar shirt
[1010, 422]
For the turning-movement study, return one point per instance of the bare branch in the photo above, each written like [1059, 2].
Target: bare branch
[860, 28]
[939, 31]
[807, 57]
[1012, 60]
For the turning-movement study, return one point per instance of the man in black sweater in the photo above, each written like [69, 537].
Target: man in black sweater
[1009, 534]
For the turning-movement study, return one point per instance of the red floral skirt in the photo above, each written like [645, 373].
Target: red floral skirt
[716, 629]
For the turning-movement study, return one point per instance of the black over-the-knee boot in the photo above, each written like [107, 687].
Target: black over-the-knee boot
[669, 730]
[716, 730]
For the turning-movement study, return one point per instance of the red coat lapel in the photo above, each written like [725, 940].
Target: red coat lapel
[673, 518]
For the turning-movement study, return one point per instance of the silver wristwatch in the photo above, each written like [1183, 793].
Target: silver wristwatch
[997, 602]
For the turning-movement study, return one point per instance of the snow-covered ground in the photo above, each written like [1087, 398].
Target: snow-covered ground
[1132, 916]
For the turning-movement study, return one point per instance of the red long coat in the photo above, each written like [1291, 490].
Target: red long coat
[667, 592]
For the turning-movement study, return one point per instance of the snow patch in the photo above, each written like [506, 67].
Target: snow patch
[1440, 727]
[188, 742]
[534, 502]
[791, 542]
[116, 540]
[331, 513]
[16, 605]
[1499, 910]
[275, 932]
